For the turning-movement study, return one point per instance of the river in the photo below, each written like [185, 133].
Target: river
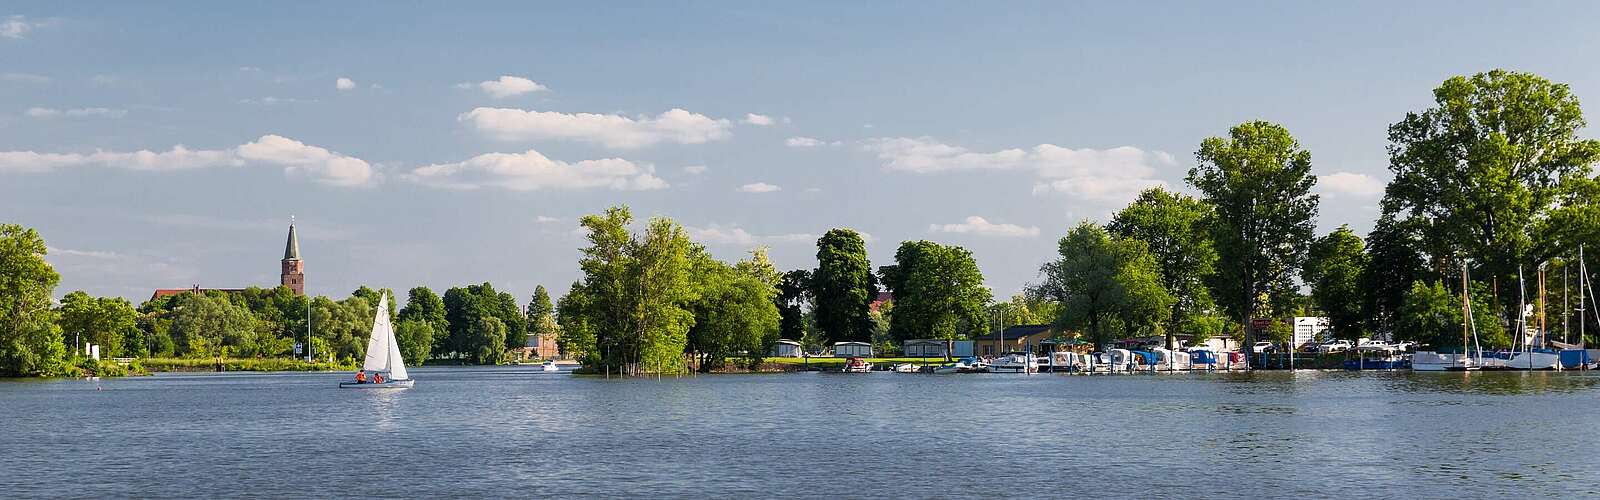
[501, 432]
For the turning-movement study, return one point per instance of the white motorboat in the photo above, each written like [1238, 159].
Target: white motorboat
[1533, 360]
[550, 366]
[1015, 362]
[856, 365]
[383, 362]
[905, 368]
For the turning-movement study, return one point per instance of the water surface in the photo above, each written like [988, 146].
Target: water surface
[520, 432]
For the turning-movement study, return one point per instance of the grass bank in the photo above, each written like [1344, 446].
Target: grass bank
[240, 365]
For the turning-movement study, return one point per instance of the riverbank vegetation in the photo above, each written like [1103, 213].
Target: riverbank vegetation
[1491, 180]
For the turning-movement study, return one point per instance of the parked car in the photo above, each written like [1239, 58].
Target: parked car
[1375, 346]
[1405, 346]
[1264, 347]
[1334, 346]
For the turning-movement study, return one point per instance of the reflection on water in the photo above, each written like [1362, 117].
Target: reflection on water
[522, 432]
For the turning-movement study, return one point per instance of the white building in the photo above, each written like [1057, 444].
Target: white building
[786, 348]
[1308, 329]
[848, 349]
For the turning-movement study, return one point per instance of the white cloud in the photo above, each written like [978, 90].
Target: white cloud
[718, 234]
[532, 171]
[695, 169]
[296, 158]
[1350, 184]
[23, 78]
[75, 112]
[1099, 175]
[507, 86]
[16, 27]
[270, 101]
[807, 142]
[545, 219]
[344, 83]
[614, 131]
[980, 226]
[757, 120]
[759, 187]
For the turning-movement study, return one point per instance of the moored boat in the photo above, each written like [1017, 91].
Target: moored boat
[856, 365]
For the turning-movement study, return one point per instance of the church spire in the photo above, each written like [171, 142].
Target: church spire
[291, 250]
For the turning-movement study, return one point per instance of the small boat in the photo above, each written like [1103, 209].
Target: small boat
[1015, 362]
[550, 366]
[383, 359]
[959, 366]
[905, 368]
[856, 365]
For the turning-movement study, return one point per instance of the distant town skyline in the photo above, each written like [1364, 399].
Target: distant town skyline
[160, 146]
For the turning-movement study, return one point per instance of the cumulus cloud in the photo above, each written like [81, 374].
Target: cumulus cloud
[718, 234]
[980, 226]
[695, 169]
[759, 187]
[807, 142]
[296, 158]
[507, 86]
[344, 83]
[757, 120]
[75, 112]
[613, 131]
[1099, 175]
[16, 27]
[1350, 184]
[530, 171]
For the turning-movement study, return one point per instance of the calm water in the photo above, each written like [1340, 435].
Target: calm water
[514, 432]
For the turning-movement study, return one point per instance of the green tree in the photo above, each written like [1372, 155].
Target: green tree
[105, 321]
[415, 337]
[463, 305]
[1395, 261]
[842, 287]
[794, 296]
[1258, 180]
[937, 290]
[1102, 281]
[486, 340]
[576, 337]
[1334, 267]
[734, 314]
[635, 293]
[541, 312]
[30, 341]
[209, 325]
[1431, 314]
[660, 299]
[1484, 165]
[422, 304]
[1177, 229]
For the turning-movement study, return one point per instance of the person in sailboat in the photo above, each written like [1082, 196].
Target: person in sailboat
[377, 378]
[361, 377]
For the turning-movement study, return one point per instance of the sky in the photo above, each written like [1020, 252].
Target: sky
[167, 144]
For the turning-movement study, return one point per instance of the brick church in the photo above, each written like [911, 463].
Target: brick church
[293, 273]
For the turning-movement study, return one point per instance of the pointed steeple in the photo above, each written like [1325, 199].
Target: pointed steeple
[291, 250]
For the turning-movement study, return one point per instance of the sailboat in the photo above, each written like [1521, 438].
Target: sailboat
[1434, 361]
[383, 355]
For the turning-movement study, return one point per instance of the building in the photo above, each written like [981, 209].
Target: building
[1013, 339]
[292, 267]
[880, 300]
[1308, 330]
[786, 348]
[848, 349]
[543, 346]
[934, 348]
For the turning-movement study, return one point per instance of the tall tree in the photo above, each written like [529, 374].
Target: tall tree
[794, 295]
[415, 337]
[1177, 230]
[104, 321]
[486, 338]
[1483, 165]
[424, 305]
[1259, 181]
[208, 325]
[1395, 261]
[660, 299]
[1334, 267]
[463, 305]
[843, 286]
[576, 337]
[1101, 281]
[30, 341]
[937, 290]
[541, 313]
[734, 314]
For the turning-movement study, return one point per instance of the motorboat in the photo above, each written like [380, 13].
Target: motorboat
[550, 366]
[1119, 360]
[905, 368]
[1169, 360]
[383, 361]
[1534, 360]
[1385, 361]
[1016, 362]
[856, 365]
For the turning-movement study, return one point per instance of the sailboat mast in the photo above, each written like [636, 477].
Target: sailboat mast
[1466, 313]
[1542, 340]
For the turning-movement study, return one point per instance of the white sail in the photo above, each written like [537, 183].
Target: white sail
[397, 364]
[382, 338]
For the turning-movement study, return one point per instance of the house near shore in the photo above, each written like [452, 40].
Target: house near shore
[1014, 339]
[785, 348]
[848, 349]
[935, 348]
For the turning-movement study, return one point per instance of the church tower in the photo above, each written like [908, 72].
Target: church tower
[294, 269]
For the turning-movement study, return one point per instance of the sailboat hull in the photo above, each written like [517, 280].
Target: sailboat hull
[387, 384]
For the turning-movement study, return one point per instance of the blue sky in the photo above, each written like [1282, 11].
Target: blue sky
[433, 144]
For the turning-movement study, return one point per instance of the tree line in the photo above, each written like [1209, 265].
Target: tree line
[1492, 180]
